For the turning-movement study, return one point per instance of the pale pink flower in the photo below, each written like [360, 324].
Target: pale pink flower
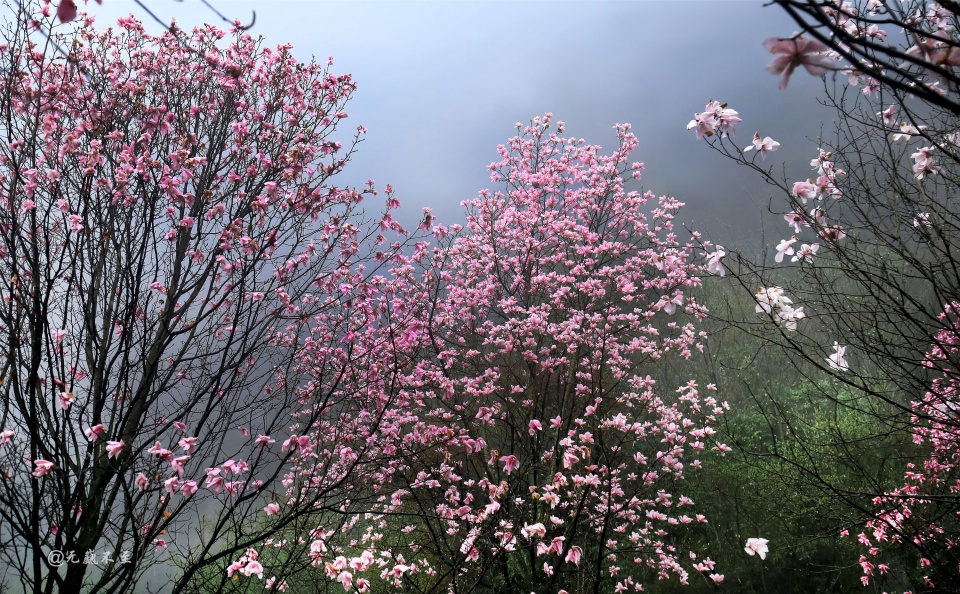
[535, 426]
[573, 555]
[66, 399]
[785, 247]
[189, 444]
[263, 440]
[188, 488]
[510, 463]
[42, 467]
[923, 162]
[889, 116]
[805, 190]
[806, 252]
[93, 433]
[837, 360]
[6, 436]
[797, 52]
[114, 448]
[906, 132]
[796, 220]
[715, 261]
[141, 481]
[757, 546]
[271, 509]
[764, 145]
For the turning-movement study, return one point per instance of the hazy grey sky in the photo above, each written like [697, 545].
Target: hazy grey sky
[441, 84]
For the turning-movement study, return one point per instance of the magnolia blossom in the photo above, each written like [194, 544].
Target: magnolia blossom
[797, 52]
[715, 116]
[923, 162]
[715, 261]
[922, 220]
[785, 247]
[271, 509]
[757, 546]
[837, 360]
[66, 399]
[788, 316]
[764, 145]
[906, 131]
[114, 448]
[889, 116]
[772, 301]
[795, 219]
[93, 433]
[805, 190]
[806, 252]
[769, 298]
[42, 467]
[6, 436]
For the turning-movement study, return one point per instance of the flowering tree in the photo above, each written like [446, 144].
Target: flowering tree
[919, 60]
[196, 335]
[923, 513]
[867, 262]
[540, 455]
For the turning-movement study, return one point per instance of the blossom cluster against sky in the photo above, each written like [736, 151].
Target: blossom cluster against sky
[442, 83]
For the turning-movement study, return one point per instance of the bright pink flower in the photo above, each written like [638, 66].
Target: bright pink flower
[510, 463]
[573, 555]
[797, 52]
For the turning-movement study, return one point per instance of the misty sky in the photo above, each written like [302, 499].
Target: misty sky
[441, 84]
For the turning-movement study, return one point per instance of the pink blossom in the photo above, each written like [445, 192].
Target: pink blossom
[188, 488]
[805, 190]
[189, 444]
[797, 51]
[757, 546]
[6, 435]
[785, 247]
[42, 467]
[114, 448]
[924, 162]
[263, 440]
[764, 145]
[888, 116]
[66, 399]
[93, 433]
[141, 481]
[573, 555]
[271, 509]
[510, 463]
